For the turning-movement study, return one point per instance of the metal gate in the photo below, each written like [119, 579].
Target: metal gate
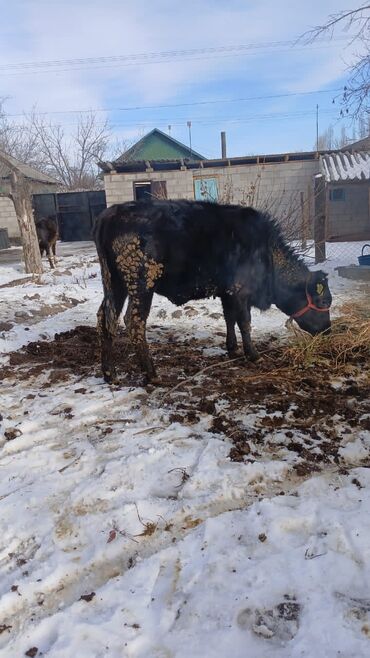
[75, 212]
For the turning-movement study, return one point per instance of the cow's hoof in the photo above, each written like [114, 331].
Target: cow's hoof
[234, 354]
[110, 376]
[253, 356]
[155, 381]
[152, 378]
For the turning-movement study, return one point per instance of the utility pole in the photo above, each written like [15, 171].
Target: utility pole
[317, 127]
[223, 145]
[188, 123]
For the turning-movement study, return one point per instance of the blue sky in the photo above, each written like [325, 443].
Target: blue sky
[249, 59]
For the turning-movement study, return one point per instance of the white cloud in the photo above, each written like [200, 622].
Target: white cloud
[41, 30]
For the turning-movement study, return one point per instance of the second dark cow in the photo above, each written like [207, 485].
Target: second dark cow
[187, 250]
[47, 234]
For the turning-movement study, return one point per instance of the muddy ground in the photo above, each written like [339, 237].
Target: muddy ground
[262, 408]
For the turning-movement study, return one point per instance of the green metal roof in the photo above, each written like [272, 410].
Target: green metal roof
[156, 145]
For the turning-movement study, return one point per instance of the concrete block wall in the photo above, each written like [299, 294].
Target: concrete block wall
[274, 187]
[259, 184]
[8, 218]
[349, 219]
[120, 187]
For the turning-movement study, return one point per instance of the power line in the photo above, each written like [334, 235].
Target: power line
[207, 121]
[190, 104]
[153, 62]
[169, 54]
[57, 71]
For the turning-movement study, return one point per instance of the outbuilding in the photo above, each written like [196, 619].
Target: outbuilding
[38, 183]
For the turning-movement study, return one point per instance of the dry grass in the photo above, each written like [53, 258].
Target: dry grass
[344, 352]
[348, 342]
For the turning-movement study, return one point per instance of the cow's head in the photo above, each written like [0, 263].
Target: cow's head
[312, 301]
[305, 298]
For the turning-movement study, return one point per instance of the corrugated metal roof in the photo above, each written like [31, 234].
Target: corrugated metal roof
[25, 169]
[156, 145]
[338, 167]
[176, 163]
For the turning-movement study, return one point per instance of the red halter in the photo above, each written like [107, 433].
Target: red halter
[309, 305]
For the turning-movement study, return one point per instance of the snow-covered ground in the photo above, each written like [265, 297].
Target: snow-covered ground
[126, 532]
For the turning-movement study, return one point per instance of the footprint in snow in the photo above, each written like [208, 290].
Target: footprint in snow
[279, 623]
[357, 612]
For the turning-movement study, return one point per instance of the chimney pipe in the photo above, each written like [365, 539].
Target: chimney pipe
[223, 145]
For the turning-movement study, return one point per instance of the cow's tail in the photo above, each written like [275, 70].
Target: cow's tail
[113, 286]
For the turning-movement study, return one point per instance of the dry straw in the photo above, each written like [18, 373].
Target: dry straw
[344, 352]
[348, 342]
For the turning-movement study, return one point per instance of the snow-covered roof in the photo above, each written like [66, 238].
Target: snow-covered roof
[345, 166]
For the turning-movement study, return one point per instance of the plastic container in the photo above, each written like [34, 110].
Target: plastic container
[364, 259]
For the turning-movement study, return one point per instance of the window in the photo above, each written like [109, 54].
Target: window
[145, 190]
[142, 191]
[205, 189]
[337, 194]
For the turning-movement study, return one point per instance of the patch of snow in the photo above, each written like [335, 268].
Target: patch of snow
[175, 550]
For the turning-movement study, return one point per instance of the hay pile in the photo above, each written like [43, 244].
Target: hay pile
[348, 343]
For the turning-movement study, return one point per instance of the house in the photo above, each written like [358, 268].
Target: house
[282, 184]
[347, 179]
[38, 183]
[360, 145]
[160, 166]
[156, 145]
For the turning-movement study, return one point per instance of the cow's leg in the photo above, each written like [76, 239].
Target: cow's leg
[230, 315]
[54, 253]
[115, 293]
[50, 257]
[138, 309]
[244, 324]
[140, 271]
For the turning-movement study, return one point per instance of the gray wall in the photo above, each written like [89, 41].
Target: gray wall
[349, 219]
[8, 218]
[275, 187]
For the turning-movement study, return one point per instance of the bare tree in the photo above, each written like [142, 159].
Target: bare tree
[356, 94]
[328, 140]
[119, 146]
[17, 139]
[71, 159]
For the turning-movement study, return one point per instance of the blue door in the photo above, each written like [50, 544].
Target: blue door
[205, 189]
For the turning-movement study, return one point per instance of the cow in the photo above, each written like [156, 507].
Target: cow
[47, 235]
[188, 250]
